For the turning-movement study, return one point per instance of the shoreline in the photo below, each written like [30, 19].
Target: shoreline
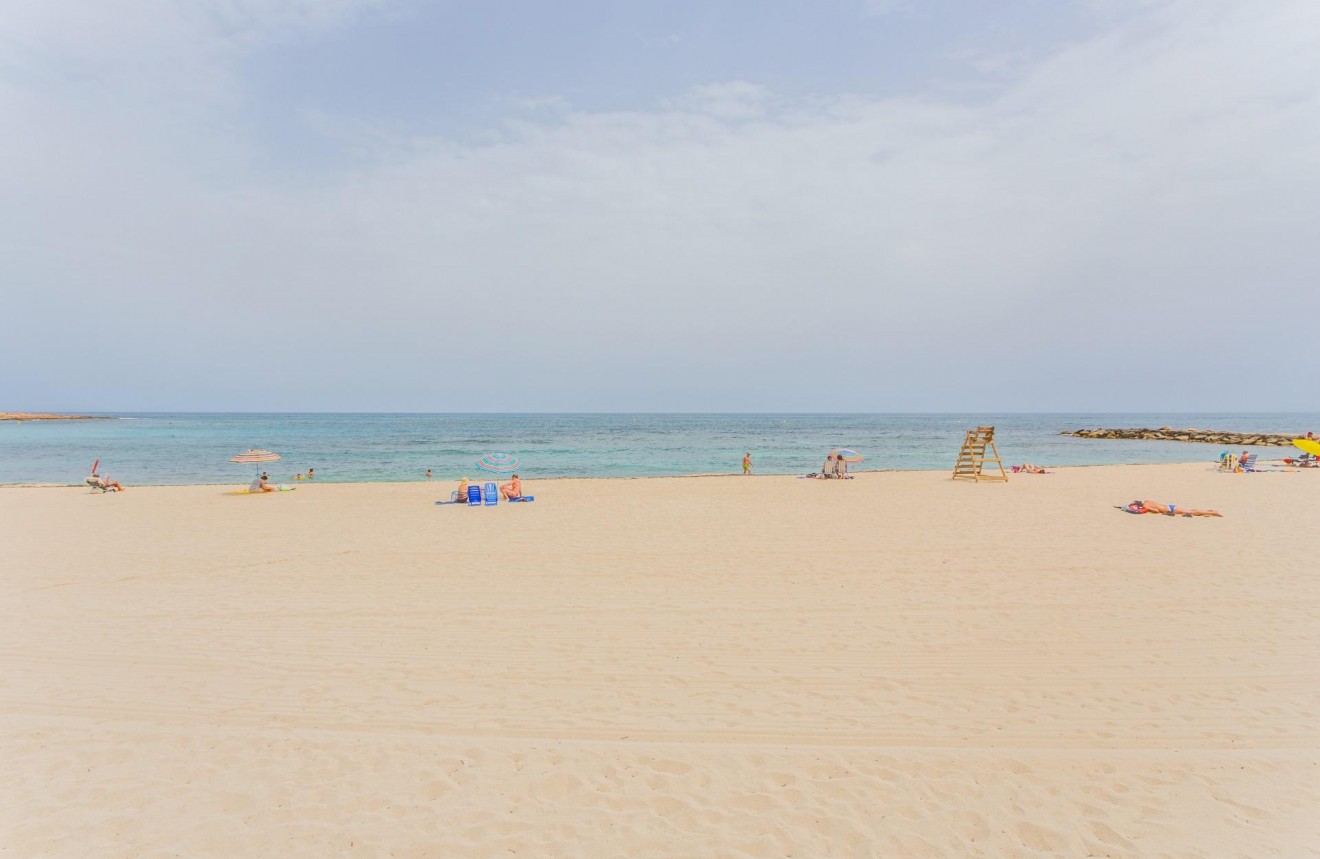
[533, 479]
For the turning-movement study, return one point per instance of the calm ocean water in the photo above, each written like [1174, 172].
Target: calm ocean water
[195, 448]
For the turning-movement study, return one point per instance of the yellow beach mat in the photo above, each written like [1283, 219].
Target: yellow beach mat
[1310, 446]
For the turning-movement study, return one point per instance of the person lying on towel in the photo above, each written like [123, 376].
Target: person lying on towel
[1149, 506]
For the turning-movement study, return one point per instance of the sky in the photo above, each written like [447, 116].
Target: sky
[838, 206]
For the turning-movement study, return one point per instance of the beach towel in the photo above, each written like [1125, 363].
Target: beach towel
[522, 498]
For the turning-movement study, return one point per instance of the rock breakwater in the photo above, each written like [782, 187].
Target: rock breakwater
[1245, 439]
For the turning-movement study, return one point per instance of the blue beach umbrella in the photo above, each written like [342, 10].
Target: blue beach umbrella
[500, 463]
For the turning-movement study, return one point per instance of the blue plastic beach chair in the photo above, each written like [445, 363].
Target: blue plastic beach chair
[474, 495]
[492, 494]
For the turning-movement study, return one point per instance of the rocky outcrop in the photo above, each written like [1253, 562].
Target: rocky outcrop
[1224, 437]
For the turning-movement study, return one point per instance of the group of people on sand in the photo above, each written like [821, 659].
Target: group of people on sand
[835, 468]
[261, 483]
[509, 491]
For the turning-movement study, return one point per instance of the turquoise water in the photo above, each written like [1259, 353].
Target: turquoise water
[195, 448]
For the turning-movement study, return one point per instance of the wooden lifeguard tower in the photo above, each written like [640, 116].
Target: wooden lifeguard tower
[972, 458]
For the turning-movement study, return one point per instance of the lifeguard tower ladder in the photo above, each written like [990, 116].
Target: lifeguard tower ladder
[972, 458]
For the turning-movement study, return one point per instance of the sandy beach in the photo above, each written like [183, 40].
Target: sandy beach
[897, 665]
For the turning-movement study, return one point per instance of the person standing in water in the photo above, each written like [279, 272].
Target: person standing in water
[747, 462]
[428, 474]
[311, 474]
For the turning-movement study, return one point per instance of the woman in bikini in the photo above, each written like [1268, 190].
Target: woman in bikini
[1148, 506]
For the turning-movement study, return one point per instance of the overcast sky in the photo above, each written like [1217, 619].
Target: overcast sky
[873, 206]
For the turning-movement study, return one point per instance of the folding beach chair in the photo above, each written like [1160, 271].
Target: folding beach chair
[97, 484]
[474, 495]
[1248, 463]
[492, 494]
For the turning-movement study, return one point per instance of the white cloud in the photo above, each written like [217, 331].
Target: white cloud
[731, 101]
[1084, 239]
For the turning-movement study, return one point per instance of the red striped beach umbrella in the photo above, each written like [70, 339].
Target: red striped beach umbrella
[499, 463]
[251, 456]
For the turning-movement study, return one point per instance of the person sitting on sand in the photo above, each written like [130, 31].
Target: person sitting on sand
[830, 469]
[1028, 468]
[1148, 506]
[462, 493]
[261, 484]
[512, 489]
[840, 467]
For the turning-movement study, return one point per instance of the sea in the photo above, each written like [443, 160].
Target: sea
[189, 448]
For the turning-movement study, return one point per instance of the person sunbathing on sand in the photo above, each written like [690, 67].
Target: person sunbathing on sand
[104, 483]
[1028, 468]
[1148, 506]
[512, 489]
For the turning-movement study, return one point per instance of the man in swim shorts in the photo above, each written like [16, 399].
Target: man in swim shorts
[512, 489]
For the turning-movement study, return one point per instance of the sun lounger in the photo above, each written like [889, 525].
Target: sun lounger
[98, 485]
